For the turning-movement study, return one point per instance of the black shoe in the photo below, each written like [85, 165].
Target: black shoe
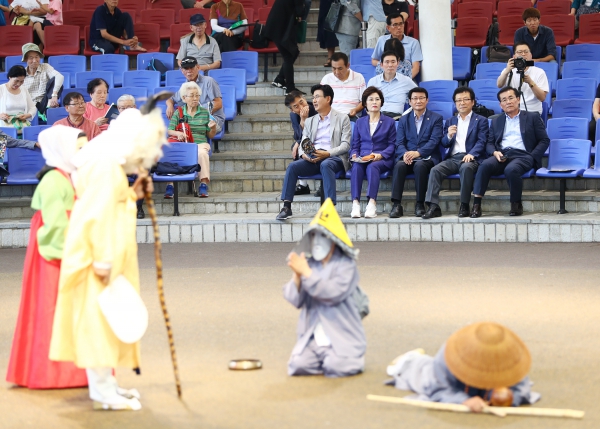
[463, 211]
[284, 214]
[419, 209]
[433, 211]
[302, 190]
[476, 212]
[516, 209]
[140, 213]
[396, 211]
[279, 83]
[319, 192]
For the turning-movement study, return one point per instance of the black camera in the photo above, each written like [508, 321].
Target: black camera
[521, 64]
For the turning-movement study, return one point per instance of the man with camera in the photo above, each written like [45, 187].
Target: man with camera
[520, 73]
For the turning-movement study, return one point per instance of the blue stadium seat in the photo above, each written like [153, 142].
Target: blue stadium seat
[82, 78]
[575, 88]
[84, 93]
[489, 70]
[140, 94]
[174, 78]
[440, 90]
[444, 108]
[246, 60]
[9, 131]
[484, 50]
[485, 89]
[551, 70]
[68, 64]
[572, 109]
[3, 78]
[367, 71]
[162, 105]
[235, 77]
[32, 132]
[461, 63]
[144, 59]
[567, 128]
[582, 69]
[66, 84]
[55, 114]
[229, 102]
[583, 52]
[568, 159]
[142, 78]
[116, 63]
[361, 57]
[24, 165]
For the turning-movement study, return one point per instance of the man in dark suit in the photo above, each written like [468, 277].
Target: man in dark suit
[516, 143]
[417, 150]
[465, 135]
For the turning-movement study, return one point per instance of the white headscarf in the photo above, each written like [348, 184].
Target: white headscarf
[59, 146]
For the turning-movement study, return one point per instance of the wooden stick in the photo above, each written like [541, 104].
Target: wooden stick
[498, 411]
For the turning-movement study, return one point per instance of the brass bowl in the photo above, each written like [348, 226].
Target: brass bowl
[245, 364]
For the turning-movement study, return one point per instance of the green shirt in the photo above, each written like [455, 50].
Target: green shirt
[198, 123]
[54, 196]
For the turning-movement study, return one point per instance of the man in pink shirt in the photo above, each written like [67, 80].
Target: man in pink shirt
[75, 106]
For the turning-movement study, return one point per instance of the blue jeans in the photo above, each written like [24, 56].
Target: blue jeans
[327, 168]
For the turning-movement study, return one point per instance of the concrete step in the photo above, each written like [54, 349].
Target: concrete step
[266, 105]
[259, 227]
[265, 89]
[229, 161]
[256, 142]
[274, 123]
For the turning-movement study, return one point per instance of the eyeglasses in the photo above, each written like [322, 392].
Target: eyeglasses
[81, 104]
[522, 52]
[316, 97]
[397, 24]
[418, 98]
[462, 100]
[511, 98]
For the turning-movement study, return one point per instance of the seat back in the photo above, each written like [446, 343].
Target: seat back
[180, 153]
[461, 63]
[87, 4]
[144, 59]
[162, 105]
[186, 14]
[177, 32]
[13, 37]
[484, 50]
[163, 17]
[174, 78]
[581, 69]
[10, 131]
[56, 114]
[572, 109]
[492, 104]
[80, 18]
[569, 154]
[229, 102]
[361, 57]
[82, 78]
[174, 5]
[133, 5]
[24, 165]
[142, 78]
[583, 52]
[367, 71]
[246, 60]
[515, 7]
[554, 7]
[485, 89]
[563, 27]
[140, 94]
[440, 90]
[567, 128]
[471, 32]
[476, 9]
[589, 28]
[62, 39]
[551, 70]
[444, 108]
[68, 64]
[115, 63]
[32, 132]
[148, 35]
[83, 91]
[234, 77]
[489, 70]
[575, 88]
[3, 77]
[507, 26]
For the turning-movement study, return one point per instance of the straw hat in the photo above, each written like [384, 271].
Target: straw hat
[487, 355]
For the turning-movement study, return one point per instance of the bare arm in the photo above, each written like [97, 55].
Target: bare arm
[416, 67]
[217, 104]
[111, 38]
[596, 109]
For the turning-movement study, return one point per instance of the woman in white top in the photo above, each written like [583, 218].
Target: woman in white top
[16, 106]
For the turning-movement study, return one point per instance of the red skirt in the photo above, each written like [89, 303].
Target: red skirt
[29, 365]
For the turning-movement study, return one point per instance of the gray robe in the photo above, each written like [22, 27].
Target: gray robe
[431, 379]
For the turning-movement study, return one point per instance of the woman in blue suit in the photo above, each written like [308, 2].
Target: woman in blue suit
[374, 139]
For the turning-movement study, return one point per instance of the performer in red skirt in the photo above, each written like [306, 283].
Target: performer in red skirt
[53, 199]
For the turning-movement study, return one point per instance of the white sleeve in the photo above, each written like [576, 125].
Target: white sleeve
[215, 26]
[59, 79]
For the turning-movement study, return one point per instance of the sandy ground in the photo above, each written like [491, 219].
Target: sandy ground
[225, 301]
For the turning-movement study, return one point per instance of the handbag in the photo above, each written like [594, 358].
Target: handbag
[20, 20]
[258, 40]
[184, 127]
[334, 16]
[301, 32]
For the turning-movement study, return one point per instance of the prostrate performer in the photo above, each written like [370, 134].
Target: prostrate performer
[53, 199]
[101, 246]
[331, 338]
[473, 362]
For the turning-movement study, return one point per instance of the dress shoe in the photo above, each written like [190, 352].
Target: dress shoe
[463, 211]
[419, 209]
[302, 190]
[396, 211]
[516, 209]
[476, 212]
[433, 211]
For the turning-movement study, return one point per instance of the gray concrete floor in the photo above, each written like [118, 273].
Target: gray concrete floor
[225, 302]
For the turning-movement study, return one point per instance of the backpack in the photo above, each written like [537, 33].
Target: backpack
[157, 65]
[258, 40]
[496, 52]
[480, 109]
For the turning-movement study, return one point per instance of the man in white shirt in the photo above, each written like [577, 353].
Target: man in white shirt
[535, 83]
[348, 86]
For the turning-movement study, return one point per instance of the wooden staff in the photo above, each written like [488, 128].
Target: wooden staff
[498, 411]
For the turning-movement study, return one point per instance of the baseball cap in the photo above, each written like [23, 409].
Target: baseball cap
[197, 19]
[189, 62]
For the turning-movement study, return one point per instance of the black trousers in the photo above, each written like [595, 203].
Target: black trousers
[228, 44]
[518, 163]
[420, 169]
[289, 51]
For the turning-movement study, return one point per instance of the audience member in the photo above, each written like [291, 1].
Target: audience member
[395, 6]
[404, 66]
[224, 15]
[372, 151]
[417, 150]
[51, 13]
[17, 109]
[29, 13]
[210, 96]
[349, 26]
[200, 45]
[412, 48]
[96, 109]
[126, 101]
[516, 143]
[326, 38]
[539, 37]
[329, 132]
[111, 28]
[584, 7]
[394, 85]
[202, 128]
[198, 4]
[372, 12]
[75, 106]
[347, 85]
[281, 29]
[43, 82]
[465, 136]
[300, 112]
[533, 83]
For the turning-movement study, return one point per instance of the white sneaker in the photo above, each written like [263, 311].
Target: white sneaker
[355, 210]
[371, 211]
[395, 367]
[118, 403]
[129, 393]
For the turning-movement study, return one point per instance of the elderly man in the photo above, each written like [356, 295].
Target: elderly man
[126, 101]
[75, 107]
[516, 143]
[412, 48]
[43, 82]
[347, 86]
[111, 28]
[329, 131]
[210, 97]
[539, 37]
[532, 83]
[200, 45]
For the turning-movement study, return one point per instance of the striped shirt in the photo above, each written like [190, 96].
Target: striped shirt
[198, 123]
[346, 94]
